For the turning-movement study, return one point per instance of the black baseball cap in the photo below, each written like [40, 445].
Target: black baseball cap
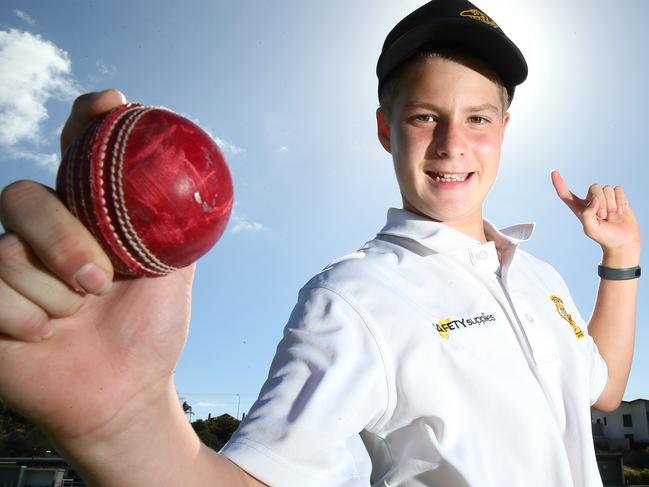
[457, 25]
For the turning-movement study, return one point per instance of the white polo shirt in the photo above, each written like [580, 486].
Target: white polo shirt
[419, 360]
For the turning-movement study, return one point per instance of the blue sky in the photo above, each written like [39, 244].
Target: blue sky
[288, 89]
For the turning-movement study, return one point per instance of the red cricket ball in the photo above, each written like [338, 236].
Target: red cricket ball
[151, 186]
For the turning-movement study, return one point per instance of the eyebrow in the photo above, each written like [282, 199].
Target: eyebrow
[487, 107]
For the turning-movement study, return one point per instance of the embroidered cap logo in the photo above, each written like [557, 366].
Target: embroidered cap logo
[476, 14]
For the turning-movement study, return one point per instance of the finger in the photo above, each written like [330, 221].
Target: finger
[589, 217]
[595, 192]
[609, 195]
[21, 270]
[86, 108]
[55, 236]
[620, 199]
[20, 318]
[574, 203]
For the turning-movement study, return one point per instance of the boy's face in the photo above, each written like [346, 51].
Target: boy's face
[444, 133]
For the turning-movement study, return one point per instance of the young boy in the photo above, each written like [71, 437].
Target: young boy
[440, 353]
[460, 358]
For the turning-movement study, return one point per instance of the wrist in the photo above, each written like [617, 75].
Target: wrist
[621, 257]
[144, 445]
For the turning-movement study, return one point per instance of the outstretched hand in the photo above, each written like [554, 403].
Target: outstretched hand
[78, 355]
[90, 358]
[604, 213]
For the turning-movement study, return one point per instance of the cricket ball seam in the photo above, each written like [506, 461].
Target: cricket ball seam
[103, 207]
[70, 186]
[86, 212]
[156, 266]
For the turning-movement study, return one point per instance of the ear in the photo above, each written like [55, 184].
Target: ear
[504, 126]
[383, 129]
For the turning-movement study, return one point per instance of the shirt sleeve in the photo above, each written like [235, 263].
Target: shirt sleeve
[598, 373]
[596, 365]
[325, 385]
[598, 370]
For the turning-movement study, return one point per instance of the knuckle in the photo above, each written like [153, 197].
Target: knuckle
[13, 251]
[19, 316]
[68, 248]
[67, 307]
[51, 294]
[16, 194]
[81, 101]
[33, 321]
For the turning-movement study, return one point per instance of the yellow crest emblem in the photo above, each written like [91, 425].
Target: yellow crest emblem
[476, 14]
[558, 302]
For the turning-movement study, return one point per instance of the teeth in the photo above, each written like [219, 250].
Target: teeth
[449, 177]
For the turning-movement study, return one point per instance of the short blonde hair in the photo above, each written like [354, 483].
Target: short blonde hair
[390, 86]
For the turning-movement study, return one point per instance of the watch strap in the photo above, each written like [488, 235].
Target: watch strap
[618, 274]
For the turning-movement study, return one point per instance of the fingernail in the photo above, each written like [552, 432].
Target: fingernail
[47, 331]
[93, 280]
[602, 214]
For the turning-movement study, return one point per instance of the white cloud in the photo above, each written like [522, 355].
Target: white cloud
[241, 224]
[282, 150]
[47, 161]
[106, 70]
[205, 404]
[22, 15]
[34, 71]
[228, 147]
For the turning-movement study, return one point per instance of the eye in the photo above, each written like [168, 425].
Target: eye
[426, 117]
[479, 119]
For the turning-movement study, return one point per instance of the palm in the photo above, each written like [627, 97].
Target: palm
[615, 229]
[115, 347]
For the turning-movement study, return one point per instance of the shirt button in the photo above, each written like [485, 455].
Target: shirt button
[529, 317]
[482, 255]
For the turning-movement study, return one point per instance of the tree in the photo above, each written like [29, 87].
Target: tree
[19, 437]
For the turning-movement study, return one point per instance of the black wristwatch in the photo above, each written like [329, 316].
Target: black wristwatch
[618, 274]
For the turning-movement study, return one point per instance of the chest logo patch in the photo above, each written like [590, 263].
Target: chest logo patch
[448, 325]
[558, 302]
[476, 14]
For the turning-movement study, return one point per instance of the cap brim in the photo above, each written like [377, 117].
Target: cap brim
[485, 42]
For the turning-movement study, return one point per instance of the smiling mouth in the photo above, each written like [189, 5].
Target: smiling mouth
[449, 177]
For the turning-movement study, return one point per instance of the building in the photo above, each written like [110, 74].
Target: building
[623, 428]
[17, 476]
[611, 469]
[47, 471]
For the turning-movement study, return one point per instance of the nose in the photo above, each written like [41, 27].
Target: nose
[448, 140]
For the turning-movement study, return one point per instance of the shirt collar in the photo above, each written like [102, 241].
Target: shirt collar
[442, 238]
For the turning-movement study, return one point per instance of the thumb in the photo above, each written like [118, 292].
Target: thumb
[85, 109]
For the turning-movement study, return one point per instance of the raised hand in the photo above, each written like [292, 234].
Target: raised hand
[605, 215]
